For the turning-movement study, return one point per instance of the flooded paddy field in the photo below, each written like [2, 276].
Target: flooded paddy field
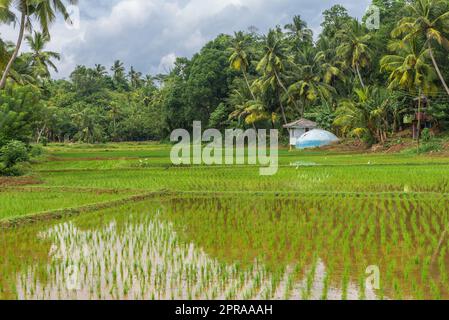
[316, 247]
[327, 226]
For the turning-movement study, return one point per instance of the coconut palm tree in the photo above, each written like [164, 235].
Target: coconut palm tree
[40, 60]
[251, 112]
[118, 75]
[5, 53]
[113, 114]
[239, 59]
[409, 68]
[330, 64]
[100, 70]
[272, 66]
[313, 80]
[428, 19]
[365, 114]
[28, 11]
[118, 70]
[354, 48]
[135, 78]
[21, 71]
[298, 33]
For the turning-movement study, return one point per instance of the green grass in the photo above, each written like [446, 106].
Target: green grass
[122, 156]
[78, 166]
[380, 178]
[16, 203]
[107, 151]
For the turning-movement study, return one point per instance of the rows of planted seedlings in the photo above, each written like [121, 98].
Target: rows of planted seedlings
[404, 236]
[366, 178]
[313, 246]
[19, 249]
[140, 256]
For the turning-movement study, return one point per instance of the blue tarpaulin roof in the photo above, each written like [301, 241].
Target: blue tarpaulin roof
[316, 138]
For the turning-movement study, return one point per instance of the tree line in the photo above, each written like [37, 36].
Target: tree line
[357, 82]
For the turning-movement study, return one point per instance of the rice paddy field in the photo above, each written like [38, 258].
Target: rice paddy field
[119, 221]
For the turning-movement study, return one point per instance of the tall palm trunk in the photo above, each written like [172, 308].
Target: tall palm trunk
[15, 53]
[249, 87]
[360, 76]
[282, 110]
[419, 120]
[286, 92]
[440, 75]
[303, 107]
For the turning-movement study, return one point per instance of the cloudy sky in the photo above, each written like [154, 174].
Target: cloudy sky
[149, 34]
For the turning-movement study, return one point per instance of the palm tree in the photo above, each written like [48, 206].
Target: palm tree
[21, 71]
[247, 109]
[239, 59]
[5, 53]
[118, 72]
[135, 78]
[272, 66]
[312, 84]
[365, 114]
[251, 112]
[118, 69]
[332, 67]
[428, 19]
[113, 114]
[409, 69]
[41, 60]
[298, 32]
[354, 48]
[100, 70]
[149, 80]
[42, 11]
[330, 64]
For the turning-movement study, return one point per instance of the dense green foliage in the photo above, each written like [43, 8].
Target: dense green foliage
[11, 154]
[355, 81]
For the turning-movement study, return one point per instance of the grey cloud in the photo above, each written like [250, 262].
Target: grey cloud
[148, 33]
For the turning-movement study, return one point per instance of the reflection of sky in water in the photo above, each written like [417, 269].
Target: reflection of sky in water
[143, 259]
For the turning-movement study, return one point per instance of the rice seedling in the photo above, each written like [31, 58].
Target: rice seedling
[222, 232]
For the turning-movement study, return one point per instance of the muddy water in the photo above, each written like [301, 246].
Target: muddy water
[123, 255]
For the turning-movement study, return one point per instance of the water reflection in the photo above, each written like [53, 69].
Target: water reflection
[142, 257]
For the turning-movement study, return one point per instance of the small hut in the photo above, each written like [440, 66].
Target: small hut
[297, 128]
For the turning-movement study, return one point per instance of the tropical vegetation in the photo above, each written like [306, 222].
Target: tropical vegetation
[353, 80]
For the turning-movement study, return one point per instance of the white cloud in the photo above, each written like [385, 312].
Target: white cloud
[148, 34]
[167, 63]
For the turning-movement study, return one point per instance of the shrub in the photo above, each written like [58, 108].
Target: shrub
[36, 151]
[14, 171]
[13, 153]
[430, 147]
[20, 107]
[325, 118]
[425, 148]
